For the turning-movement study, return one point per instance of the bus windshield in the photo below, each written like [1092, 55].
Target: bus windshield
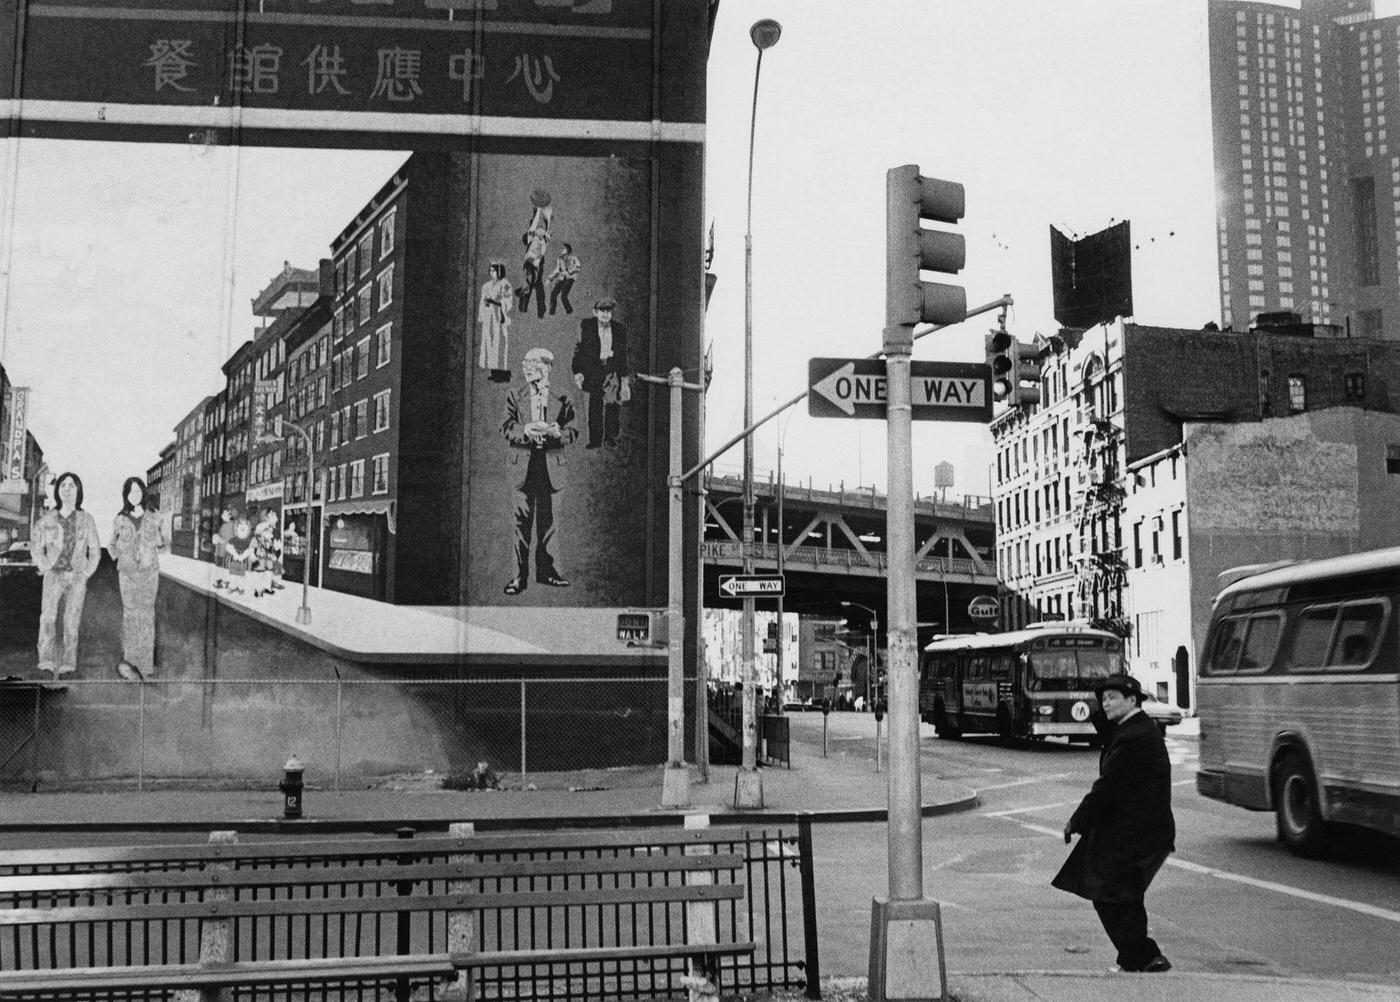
[1072, 663]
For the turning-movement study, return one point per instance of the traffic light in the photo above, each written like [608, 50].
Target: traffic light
[1013, 364]
[909, 248]
[1000, 359]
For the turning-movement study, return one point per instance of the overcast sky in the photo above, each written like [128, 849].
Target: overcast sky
[1077, 113]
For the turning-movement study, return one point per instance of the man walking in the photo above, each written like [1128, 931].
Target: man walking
[1125, 826]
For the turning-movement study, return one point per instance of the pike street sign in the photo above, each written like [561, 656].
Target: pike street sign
[938, 391]
[750, 585]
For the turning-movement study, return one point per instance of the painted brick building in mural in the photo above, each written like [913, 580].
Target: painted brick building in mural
[1074, 526]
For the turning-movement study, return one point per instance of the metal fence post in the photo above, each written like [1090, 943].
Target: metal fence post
[809, 907]
[141, 737]
[339, 696]
[403, 939]
[522, 733]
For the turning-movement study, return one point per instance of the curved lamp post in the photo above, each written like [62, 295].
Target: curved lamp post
[748, 784]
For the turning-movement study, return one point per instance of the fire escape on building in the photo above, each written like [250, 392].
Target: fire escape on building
[1101, 570]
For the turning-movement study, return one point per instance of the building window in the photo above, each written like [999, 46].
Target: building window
[1176, 534]
[1392, 459]
[381, 473]
[362, 358]
[1297, 393]
[366, 253]
[349, 268]
[386, 287]
[361, 418]
[381, 411]
[357, 478]
[366, 303]
[386, 234]
[1354, 384]
[335, 430]
[383, 338]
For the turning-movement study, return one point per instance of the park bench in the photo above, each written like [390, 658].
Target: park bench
[448, 916]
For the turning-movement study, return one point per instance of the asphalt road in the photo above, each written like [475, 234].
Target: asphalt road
[1231, 900]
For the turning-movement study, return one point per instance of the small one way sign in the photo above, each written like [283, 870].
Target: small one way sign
[938, 391]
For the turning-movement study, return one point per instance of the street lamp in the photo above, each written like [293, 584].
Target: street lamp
[748, 785]
[870, 664]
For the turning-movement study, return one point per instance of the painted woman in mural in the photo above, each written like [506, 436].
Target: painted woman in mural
[66, 552]
[138, 535]
[493, 314]
[536, 241]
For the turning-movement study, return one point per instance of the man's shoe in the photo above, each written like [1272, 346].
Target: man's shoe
[64, 670]
[1157, 965]
[515, 586]
[555, 581]
[129, 671]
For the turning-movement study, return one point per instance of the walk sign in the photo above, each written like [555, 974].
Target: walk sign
[938, 391]
[751, 585]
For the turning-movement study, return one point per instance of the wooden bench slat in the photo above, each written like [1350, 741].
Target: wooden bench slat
[263, 972]
[531, 958]
[300, 876]
[178, 910]
[383, 848]
[524, 898]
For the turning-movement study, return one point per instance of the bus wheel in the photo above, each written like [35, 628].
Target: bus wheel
[1295, 802]
[941, 726]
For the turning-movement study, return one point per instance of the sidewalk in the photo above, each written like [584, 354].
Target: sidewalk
[829, 790]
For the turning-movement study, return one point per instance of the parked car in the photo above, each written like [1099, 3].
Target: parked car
[1162, 714]
[17, 559]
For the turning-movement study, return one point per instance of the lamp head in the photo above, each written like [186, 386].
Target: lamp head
[765, 33]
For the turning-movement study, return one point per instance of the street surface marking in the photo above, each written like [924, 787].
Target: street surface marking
[1027, 781]
[1027, 810]
[1239, 878]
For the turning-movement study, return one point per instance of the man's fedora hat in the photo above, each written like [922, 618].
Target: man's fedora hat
[1125, 684]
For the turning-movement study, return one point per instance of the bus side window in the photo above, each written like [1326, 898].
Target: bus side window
[1357, 631]
[1228, 641]
[1313, 637]
[1001, 667]
[1261, 642]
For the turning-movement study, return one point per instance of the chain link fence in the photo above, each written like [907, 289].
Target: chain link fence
[348, 731]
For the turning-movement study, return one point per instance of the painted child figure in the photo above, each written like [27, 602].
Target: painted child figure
[263, 559]
[220, 542]
[240, 555]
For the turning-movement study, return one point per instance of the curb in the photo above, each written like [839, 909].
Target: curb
[657, 818]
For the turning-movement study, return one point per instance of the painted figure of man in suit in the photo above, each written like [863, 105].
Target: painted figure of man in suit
[600, 370]
[538, 425]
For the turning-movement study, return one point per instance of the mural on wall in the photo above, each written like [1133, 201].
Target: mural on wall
[386, 417]
[589, 513]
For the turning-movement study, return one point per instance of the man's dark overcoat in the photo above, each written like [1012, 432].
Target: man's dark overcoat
[1125, 821]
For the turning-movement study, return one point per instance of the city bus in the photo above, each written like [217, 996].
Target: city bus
[1031, 683]
[1299, 696]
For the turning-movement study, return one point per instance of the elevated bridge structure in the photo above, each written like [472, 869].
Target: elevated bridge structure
[830, 545]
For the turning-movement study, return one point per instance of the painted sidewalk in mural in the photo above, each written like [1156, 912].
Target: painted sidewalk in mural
[347, 626]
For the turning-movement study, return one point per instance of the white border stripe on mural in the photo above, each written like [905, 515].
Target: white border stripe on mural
[468, 24]
[201, 117]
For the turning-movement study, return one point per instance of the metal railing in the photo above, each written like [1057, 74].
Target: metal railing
[777, 913]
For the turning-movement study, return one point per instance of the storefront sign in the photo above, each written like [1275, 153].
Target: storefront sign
[12, 474]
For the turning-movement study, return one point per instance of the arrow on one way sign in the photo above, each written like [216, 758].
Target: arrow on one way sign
[938, 391]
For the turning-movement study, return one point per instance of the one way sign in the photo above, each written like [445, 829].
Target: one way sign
[938, 391]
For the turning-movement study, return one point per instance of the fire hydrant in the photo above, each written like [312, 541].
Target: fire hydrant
[291, 787]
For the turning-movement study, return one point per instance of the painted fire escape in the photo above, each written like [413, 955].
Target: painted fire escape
[1101, 569]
